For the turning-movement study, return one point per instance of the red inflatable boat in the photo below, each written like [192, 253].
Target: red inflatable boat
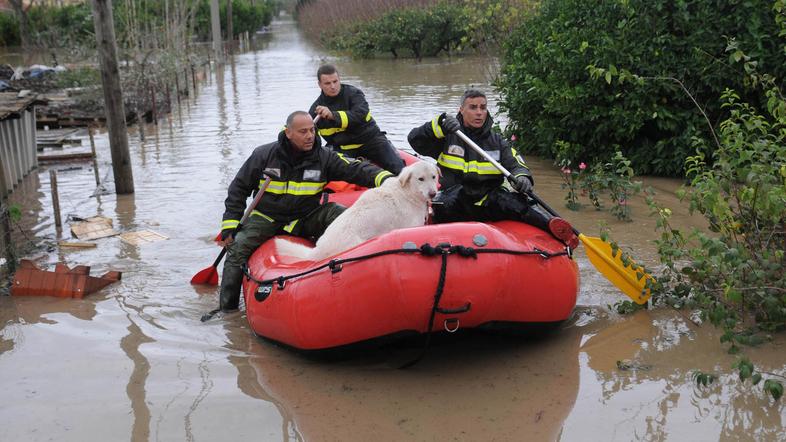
[417, 280]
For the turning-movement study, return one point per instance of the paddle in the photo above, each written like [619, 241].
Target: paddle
[630, 279]
[209, 275]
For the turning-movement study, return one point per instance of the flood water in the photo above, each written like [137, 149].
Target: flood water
[133, 361]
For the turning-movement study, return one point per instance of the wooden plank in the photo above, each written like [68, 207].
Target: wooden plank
[78, 245]
[93, 228]
[142, 237]
[66, 157]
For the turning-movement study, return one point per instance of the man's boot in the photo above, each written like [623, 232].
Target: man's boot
[231, 280]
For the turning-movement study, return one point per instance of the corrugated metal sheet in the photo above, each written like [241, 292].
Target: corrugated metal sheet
[17, 149]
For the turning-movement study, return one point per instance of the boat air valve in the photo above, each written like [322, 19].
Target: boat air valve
[263, 291]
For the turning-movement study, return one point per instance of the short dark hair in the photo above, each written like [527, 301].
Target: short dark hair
[326, 69]
[292, 116]
[471, 93]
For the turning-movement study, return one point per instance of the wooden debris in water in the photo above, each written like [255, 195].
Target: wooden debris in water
[142, 237]
[93, 228]
[77, 245]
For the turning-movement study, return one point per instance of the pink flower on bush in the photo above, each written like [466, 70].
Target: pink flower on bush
[566, 171]
[582, 166]
[513, 137]
[623, 202]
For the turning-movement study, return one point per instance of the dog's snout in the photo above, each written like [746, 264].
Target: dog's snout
[432, 193]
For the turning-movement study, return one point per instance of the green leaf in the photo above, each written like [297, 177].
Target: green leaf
[608, 77]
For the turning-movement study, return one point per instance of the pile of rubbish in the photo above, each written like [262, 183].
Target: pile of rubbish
[38, 77]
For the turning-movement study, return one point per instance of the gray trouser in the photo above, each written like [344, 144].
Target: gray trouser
[256, 231]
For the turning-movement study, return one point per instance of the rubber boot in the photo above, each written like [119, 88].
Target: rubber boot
[231, 280]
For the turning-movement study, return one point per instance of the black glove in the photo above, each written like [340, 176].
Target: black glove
[449, 124]
[226, 233]
[521, 183]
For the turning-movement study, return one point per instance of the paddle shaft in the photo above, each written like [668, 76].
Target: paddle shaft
[505, 172]
[616, 269]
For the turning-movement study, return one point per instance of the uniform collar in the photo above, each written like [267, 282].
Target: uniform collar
[296, 157]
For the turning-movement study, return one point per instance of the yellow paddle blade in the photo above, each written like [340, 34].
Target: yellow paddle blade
[631, 282]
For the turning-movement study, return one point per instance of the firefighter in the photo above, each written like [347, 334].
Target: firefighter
[472, 188]
[291, 202]
[346, 123]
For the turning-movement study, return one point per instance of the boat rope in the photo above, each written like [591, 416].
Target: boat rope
[336, 265]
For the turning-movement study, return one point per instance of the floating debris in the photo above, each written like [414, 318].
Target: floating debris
[63, 282]
[93, 228]
[142, 237]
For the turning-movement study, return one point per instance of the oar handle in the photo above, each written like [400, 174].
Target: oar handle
[506, 173]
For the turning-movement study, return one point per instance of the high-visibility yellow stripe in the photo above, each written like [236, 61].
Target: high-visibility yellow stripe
[381, 177]
[328, 131]
[344, 119]
[289, 227]
[436, 128]
[295, 187]
[368, 116]
[258, 213]
[229, 224]
[518, 157]
[480, 203]
[345, 159]
[458, 163]
[451, 162]
[350, 146]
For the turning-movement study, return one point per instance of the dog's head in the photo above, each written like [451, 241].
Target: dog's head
[421, 178]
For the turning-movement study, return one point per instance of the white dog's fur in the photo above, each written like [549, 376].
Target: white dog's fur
[399, 203]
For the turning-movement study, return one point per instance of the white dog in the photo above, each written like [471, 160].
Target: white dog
[398, 203]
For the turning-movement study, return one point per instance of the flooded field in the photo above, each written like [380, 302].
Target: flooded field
[133, 361]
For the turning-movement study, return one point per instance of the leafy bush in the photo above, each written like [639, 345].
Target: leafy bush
[246, 17]
[9, 30]
[549, 95]
[418, 32]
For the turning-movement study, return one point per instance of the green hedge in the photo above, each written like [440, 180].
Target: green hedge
[549, 95]
[245, 17]
[72, 25]
[9, 30]
[414, 32]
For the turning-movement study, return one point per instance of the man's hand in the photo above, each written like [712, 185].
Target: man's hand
[521, 183]
[449, 124]
[324, 112]
[227, 237]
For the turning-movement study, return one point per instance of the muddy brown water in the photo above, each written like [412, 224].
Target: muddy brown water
[133, 361]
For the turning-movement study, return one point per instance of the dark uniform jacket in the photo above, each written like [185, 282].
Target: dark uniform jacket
[352, 124]
[460, 164]
[303, 175]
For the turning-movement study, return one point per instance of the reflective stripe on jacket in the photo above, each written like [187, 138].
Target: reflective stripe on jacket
[352, 124]
[302, 178]
[460, 164]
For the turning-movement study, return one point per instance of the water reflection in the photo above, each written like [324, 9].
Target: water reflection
[467, 388]
[643, 365]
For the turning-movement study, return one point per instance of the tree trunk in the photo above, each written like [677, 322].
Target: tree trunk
[24, 23]
[113, 96]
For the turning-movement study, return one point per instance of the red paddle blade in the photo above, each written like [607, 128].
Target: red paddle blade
[218, 237]
[207, 276]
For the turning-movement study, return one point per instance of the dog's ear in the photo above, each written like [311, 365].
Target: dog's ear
[405, 176]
